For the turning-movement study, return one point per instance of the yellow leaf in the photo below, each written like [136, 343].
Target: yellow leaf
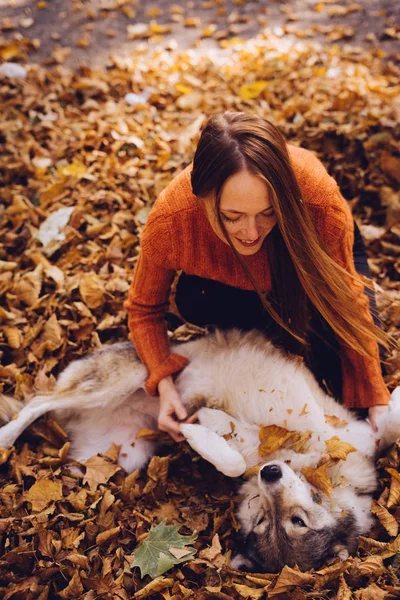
[192, 22]
[252, 471]
[299, 442]
[148, 434]
[42, 493]
[76, 168]
[272, 438]
[183, 89]
[253, 90]
[157, 29]
[209, 30]
[394, 494]
[338, 449]
[51, 192]
[385, 518]
[335, 421]
[319, 478]
[232, 42]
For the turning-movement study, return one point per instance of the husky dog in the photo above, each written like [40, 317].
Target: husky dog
[237, 382]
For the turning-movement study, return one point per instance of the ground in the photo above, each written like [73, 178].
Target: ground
[95, 146]
[95, 29]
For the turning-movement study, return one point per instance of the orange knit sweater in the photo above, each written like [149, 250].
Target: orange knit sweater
[178, 236]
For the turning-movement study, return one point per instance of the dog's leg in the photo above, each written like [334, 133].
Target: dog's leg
[215, 449]
[38, 406]
[389, 423]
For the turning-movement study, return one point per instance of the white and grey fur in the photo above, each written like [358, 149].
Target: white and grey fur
[241, 382]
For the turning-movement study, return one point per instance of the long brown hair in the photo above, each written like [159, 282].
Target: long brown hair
[302, 269]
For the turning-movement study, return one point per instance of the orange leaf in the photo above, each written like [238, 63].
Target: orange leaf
[272, 438]
[319, 478]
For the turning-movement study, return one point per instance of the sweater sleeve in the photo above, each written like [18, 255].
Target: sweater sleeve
[148, 301]
[363, 384]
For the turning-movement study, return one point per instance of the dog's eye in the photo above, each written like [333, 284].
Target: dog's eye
[259, 520]
[298, 522]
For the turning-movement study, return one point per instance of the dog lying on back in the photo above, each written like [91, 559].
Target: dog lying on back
[241, 382]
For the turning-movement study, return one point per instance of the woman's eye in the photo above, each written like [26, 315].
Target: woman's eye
[228, 220]
[298, 522]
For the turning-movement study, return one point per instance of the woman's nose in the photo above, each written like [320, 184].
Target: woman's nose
[251, 229]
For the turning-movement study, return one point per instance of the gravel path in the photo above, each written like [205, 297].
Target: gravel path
[90, 31]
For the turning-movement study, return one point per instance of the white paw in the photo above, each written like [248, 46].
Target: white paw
[216, 420]
[215, 449]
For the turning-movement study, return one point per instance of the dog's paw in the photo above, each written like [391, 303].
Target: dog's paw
[215, 449]
[216, 420]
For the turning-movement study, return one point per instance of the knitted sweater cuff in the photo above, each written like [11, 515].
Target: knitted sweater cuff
[172, 364]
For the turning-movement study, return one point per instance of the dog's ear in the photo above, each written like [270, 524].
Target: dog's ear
[247, 557]
[241, 563]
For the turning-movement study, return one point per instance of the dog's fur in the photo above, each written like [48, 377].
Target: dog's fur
[242, 382]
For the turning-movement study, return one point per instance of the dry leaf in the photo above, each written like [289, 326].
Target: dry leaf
[386, 519]
[319, 478]
[98, 470]
[335, 421]
[91, 288]
[394, 494]
[287, 579]
[272, 438]
[42, 493]
[29, 286]
[338, 449]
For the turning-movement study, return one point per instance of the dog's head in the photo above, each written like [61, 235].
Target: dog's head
[285, 522]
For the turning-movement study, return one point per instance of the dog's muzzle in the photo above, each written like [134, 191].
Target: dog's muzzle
[271, 473]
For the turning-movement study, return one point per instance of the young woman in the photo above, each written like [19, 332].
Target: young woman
[263, 239]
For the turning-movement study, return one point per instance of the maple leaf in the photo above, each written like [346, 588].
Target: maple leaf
[154, 556]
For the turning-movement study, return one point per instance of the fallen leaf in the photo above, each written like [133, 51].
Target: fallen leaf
[272, 438]
[42, 493]
[153, 556]
[98, 470]
[338, 449]
[319, 478]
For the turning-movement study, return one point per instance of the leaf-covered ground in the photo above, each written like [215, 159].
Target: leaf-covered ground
[73, 140]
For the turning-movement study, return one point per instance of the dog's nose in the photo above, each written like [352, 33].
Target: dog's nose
[271, 473]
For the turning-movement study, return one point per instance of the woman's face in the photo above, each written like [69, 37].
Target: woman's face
[246, 211]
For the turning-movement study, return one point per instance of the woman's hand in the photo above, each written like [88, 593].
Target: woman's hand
[374, 412]
[172, 411]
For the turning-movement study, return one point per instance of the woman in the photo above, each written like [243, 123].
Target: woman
[264, 240]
